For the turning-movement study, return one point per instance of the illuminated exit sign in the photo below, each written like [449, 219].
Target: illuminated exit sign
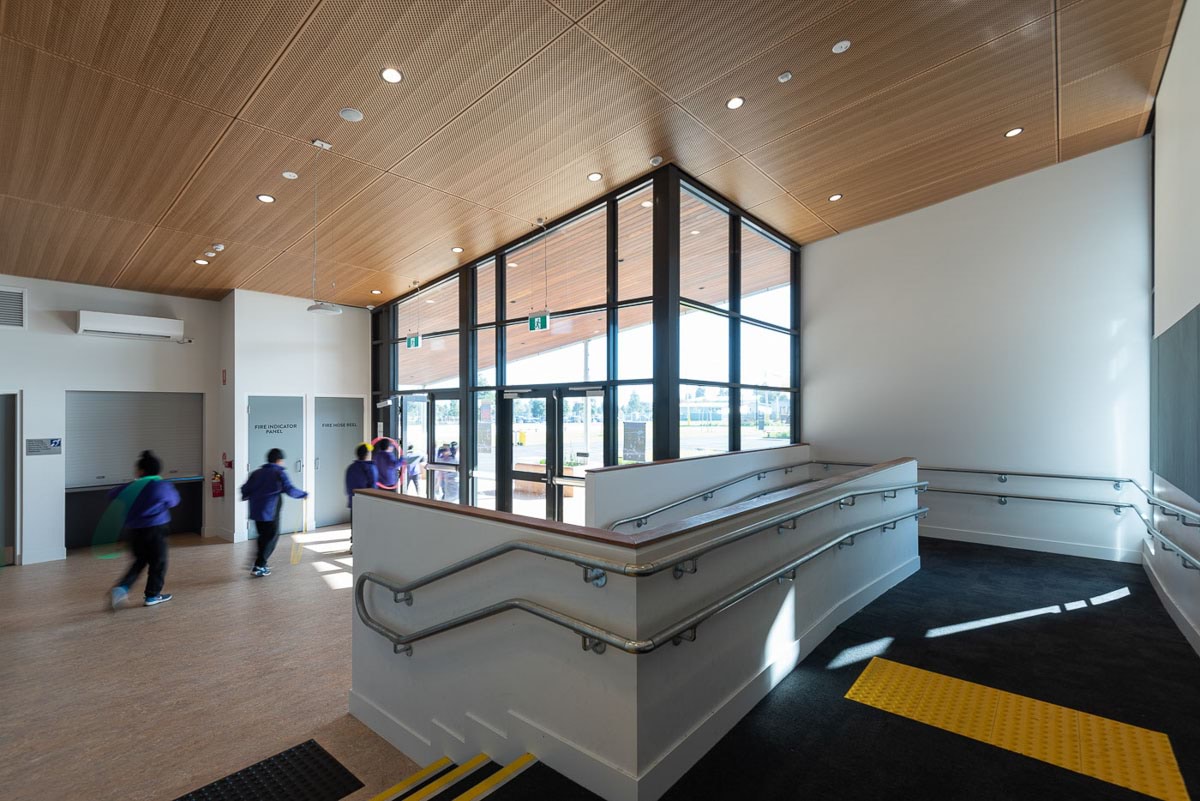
[412, 341]
[539, 321]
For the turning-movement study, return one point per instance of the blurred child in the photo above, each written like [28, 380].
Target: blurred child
[265, 489]
[148, 502]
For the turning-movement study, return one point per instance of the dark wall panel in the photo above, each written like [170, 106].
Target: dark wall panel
[85, 507]
[1175, 420]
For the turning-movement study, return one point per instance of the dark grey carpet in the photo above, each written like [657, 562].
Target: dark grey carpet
[1124, 660]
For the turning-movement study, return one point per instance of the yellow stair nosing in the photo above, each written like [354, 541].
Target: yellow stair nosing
[499, 778]
[413, 780]
[461, 772]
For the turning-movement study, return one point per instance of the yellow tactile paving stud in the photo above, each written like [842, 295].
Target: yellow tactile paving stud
[1036, 729]
[1130, 756]
[1115, 752]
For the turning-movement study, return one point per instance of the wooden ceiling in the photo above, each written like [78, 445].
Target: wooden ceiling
[138, 134]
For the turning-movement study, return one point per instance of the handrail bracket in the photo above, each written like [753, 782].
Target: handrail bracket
[594, 576]
[402, 597]
[687, 634]
[846, 543]
[787, 525]
[788, 576]
[845, 503]
[593, 644]
[684, 567]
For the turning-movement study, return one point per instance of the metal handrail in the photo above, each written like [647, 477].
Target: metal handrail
[1116, 506]
[596, 638]
[644, 517]
[1171, 510]
[596, 568]
[1002, 475]
[1189, 561]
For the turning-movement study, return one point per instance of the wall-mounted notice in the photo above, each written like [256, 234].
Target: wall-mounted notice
[43, 447]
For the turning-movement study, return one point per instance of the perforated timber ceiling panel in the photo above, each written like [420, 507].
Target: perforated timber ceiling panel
[140, 133]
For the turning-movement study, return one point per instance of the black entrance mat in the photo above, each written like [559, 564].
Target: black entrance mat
[305, 772]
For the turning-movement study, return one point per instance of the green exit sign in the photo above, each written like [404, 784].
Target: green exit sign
[539, 321]
[412, 341]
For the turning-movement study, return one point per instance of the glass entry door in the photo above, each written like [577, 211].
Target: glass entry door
[557, 436]
[414, 439]
[580, 442]
[531, 448]
[429, 430]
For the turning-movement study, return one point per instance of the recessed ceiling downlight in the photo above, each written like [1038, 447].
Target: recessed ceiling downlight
[376, 291]
[201, 262]
[266, 198]
[218, 247]
[209, 253]
[694, 233]
[784, 77]
[735, 102]
[835, 198]
[647, 204]
[842, 46]
[595, 176]
[456, 249]
[351, 115]
[1014, 132]
[656, 160]
[391, 75]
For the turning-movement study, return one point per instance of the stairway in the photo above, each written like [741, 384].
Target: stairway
[474, 779]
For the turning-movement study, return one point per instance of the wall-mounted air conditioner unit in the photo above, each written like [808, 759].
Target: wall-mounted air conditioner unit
[129, 326]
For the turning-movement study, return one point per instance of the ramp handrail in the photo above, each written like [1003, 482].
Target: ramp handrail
[1190, 562]
[644, 517]
[596, 638]
[1185, 517]
[1002, 475]
[597, 568]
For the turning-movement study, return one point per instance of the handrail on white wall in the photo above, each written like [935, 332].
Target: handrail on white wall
[596, 638]
[596, 569]
[1184, 516]
[644, 517]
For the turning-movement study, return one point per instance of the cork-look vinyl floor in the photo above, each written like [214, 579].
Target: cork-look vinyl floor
[148, 704]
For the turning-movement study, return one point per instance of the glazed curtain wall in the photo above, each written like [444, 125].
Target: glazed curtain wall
[662, 296]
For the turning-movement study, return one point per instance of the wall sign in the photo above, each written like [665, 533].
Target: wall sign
[539, 321]
[43, 447]
[412, 341]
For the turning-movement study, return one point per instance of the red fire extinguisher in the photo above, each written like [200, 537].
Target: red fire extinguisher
[218, 484]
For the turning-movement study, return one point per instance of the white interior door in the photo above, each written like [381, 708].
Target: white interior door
[339, 431]
[8, 478]
[278, 422]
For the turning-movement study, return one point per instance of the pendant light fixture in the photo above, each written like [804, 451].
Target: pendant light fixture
[318, 306]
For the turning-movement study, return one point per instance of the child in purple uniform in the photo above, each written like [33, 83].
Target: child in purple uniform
[148, 501]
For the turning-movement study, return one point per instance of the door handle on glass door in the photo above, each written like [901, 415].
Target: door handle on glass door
[299, 466]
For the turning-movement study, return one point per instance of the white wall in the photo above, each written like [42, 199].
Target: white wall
[1008, 328]
[1176, 176]
[48, 359]
[267, 344]
[279, 348]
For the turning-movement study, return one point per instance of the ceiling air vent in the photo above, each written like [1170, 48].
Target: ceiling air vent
[12, 307]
